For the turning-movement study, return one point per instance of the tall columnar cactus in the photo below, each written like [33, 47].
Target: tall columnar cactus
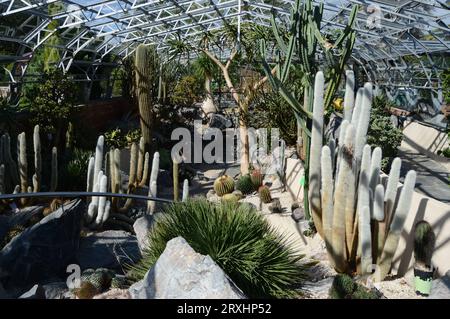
[185, 196]
[143, 91]
[23, 163]
[175, 180]
[327, 198]
[304, 40]
[354, 206]
[342, 185]
[54, 176]
[2, 179]
[152, 192]
[155, 168]
[315, 151]
[349, 97]
[37, 160]
[398, 221]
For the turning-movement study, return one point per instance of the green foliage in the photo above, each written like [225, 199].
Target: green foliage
[76, 170]
[446, 85]
[382, 133]
[424, 242]
[52, 101]
[237, 238]
[343, 287]
[117, 138]
[187, 91]
[445, 152]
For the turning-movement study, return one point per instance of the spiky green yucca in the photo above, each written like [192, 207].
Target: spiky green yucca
[237, 238]
[257, 178]
[264, 194]
[245, 185]
[223, 185]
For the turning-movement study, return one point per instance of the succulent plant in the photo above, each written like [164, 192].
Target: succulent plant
[238, 194]
[223, 185]
[245, 185]
[424, 241]
[257, 178]
[264, 194]
[230, 198]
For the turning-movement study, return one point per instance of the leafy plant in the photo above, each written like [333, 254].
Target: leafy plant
[186, 92]
[382, 133]
[118, 139]
[52, 102]
[237, 238]
[76, 170]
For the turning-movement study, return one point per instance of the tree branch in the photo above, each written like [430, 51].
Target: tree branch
[230, 59]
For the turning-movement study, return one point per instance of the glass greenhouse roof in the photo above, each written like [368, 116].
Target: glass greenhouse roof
[387, 29]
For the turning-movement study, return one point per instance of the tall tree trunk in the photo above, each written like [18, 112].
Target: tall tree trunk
[243, 136]
[208, 103]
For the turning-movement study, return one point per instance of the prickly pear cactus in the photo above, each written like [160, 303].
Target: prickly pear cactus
[223, 185]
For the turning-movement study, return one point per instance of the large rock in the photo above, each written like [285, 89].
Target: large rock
[141, 227]
[181, 273]
[44, 250]
[110, 249]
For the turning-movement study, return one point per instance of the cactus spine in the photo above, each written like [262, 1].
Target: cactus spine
[315, 151]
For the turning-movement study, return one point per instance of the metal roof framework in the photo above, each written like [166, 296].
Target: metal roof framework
[387, 31]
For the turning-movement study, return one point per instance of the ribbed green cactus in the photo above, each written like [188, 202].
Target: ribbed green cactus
[257, 178]
[264, 194]
[229, 198]
[143, 86]
[224, 185]
[424, 242]
[245, 185]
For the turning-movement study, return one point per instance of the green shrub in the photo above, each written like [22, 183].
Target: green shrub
[237, 238]
[382, 133]
[75, 173]
[117, 138]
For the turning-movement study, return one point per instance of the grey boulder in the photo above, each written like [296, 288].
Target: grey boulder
[43, 250]
[440, 288]
[141, 227]
[181, 273]
[111, 249]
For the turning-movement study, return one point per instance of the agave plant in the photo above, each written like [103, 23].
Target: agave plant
[237, 238]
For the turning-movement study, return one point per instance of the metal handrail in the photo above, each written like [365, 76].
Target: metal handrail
[82, 194]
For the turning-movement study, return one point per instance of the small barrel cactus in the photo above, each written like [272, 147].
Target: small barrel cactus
[223, 185]
[424, 241]
[264, 194]
[245, 185]
[257, 178]
[230, 198]
[238, 194]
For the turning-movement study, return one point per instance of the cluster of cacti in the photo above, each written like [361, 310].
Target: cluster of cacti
[351, 209]
[257, 178]
[101, 209]
[224, 185]
[304, 40]
[14, 176]
[264, 194]
[245, 184]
